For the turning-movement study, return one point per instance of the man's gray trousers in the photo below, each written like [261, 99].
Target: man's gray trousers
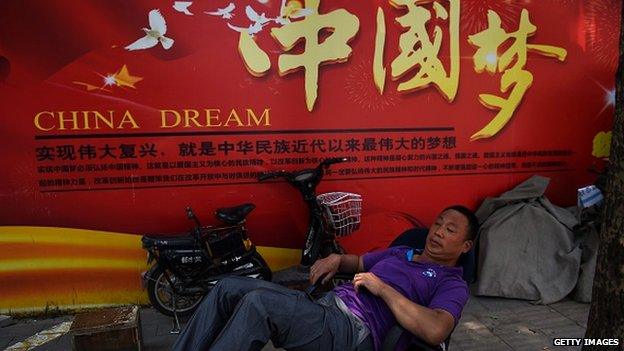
[243, 314]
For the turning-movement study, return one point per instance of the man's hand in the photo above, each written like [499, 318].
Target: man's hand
[369, 281]
[328, 265]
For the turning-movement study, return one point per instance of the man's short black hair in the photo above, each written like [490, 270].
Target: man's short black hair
[473, 222]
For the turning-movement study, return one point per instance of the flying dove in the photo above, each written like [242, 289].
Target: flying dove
[182, 6]
[254, 17]
[251, 30]
[225, 12]
[156, 33]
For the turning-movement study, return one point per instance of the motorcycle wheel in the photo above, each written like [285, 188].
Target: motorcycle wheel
[160, 295]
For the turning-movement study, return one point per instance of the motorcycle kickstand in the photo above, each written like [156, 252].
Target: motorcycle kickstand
[176, 322]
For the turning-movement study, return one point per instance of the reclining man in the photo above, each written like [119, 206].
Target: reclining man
[423, 291]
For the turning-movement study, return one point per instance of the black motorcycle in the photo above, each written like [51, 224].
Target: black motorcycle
[189, 265]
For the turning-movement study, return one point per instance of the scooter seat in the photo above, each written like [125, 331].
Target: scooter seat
[183, 240]
[234, 215]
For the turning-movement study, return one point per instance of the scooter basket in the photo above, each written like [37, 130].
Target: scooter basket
[342, 211]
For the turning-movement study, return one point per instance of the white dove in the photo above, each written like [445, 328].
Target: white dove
[182, 6]
[225, 12]
[254, 17]
[155, 34]
[251, 30]
[292, 10]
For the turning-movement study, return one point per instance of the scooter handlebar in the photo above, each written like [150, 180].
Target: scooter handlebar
[331, 161]
[270, 175]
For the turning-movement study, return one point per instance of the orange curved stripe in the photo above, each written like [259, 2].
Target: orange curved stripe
[70, 283]
[49, 250]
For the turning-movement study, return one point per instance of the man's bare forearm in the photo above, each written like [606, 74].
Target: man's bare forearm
[350, 264]
[433, 326]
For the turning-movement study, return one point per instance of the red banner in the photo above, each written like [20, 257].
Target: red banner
[117, 114]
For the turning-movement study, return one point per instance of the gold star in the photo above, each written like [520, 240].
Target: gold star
[124, 79]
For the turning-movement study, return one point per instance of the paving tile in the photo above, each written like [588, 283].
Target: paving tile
[553, 322]
[474, 306]
[536, 313]
[149, 330]
[576, 311]
[158, 343]
[151, 316]
[494, 324]
[525, 335]
[501, 304]
[524, 343]
[494, 345]
[456, 347]
[520, 328]
[564, 332]
[581, 320]
[474, 330]
[533, 348]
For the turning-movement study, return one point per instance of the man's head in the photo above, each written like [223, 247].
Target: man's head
[451, 234]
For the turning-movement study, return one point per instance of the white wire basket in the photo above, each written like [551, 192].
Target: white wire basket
[343, 211]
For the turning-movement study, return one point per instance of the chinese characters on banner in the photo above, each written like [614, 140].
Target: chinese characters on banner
[427, 28]
[419, 52]
[231, 160]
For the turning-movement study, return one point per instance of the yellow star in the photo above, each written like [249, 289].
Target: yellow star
[124, 79]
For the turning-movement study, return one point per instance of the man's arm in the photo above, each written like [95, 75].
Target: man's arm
[351, 264]
[431, 325]
[334, 263]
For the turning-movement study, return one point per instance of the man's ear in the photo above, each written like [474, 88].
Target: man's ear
[467, 246]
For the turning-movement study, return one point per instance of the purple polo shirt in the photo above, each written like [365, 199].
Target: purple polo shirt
[427, 284]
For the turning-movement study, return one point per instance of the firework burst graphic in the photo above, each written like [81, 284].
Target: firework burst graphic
[361, 88]
[474, 14]
[602, 30]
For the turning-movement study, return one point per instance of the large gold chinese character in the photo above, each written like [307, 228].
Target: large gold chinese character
[418, 50]
[514, 77]
[334, 49]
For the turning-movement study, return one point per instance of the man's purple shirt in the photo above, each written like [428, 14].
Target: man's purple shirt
[427, 284]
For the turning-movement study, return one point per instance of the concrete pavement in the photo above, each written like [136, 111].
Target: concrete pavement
[486, 324]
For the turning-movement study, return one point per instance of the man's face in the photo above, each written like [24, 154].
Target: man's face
[448, 236]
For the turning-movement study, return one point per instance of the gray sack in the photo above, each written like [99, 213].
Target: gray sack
[526, 246]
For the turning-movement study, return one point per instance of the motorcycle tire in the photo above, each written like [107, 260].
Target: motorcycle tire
[160, 295]
[158, 286]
